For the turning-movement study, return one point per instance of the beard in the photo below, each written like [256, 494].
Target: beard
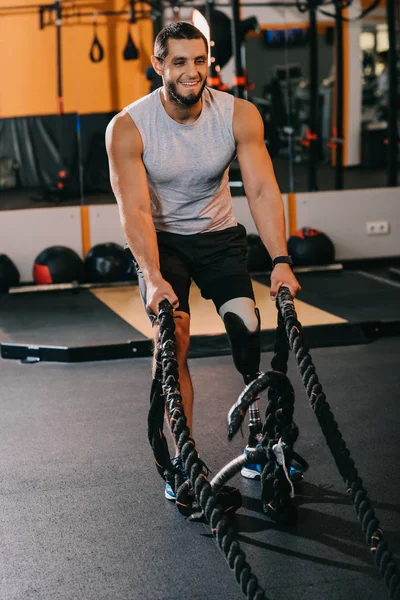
[180, 99]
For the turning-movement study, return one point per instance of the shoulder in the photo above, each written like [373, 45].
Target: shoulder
[122, 134]
[247, 121]
[221, 98]
[142, 104]
[244, 108]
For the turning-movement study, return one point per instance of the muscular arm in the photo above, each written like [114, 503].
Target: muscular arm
[262, 191]
[129, 184]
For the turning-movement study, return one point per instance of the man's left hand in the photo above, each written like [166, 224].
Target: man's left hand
[282, 275]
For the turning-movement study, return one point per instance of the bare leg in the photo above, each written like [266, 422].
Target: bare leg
[182, 335]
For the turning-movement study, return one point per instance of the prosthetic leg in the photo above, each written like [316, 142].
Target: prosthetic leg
[246, 350]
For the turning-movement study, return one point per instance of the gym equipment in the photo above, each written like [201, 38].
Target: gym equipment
[107, 262]
[279, 437]
[285, 111]
[130, 51]
[96, 53]
[271, 131]
[9, 274]
[166, 395]
[258, 258]
[245, 345]
[246, 352]
[309, 247]
[57, 264]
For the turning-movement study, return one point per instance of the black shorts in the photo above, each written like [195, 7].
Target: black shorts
[215, 261]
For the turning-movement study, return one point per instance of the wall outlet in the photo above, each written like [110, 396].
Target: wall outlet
[377, 228]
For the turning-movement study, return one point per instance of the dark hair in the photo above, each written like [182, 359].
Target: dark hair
[176, 31]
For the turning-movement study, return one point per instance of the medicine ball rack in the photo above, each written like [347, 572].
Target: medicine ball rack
[75, 285]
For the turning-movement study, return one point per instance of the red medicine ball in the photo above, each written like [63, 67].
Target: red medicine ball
[57, 264]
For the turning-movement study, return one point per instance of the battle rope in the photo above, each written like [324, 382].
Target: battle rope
[167, 391]
[290, 332]
[279, 435]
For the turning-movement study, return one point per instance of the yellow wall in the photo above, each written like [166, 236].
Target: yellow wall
[28, 69]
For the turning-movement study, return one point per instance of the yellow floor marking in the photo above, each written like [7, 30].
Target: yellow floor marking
[204, 319]
[306, 313]
[126, 303]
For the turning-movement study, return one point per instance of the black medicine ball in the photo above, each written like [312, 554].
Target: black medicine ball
[310, 247]
[9, 274]
[57, 264]
[106, 263]
[258, 258]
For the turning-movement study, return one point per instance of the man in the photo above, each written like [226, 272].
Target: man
[169, 156]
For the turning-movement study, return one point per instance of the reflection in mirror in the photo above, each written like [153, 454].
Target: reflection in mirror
[312, 135]
[282, 93]
[88, 64]
[123, 76]
[266, 66]
[39, 142]
[374, 49]
[91, 63]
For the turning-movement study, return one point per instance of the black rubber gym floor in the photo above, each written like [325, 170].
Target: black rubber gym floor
[67, 318]
[353, 295]
[62, 318]
[83, 515]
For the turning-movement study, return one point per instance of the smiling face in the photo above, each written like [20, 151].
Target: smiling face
[184, 71]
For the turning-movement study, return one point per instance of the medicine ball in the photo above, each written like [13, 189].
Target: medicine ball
[258, 258]
[310, 247]
[106, 263]
[57, 264]
[9, 274]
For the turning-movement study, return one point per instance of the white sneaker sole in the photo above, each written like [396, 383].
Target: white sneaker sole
[168, 497]
[250, 474]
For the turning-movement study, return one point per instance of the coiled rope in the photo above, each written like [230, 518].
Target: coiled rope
[290, 332]
[278, 426]
[167, 369]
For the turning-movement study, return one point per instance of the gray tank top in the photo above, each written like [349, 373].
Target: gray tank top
[187, 165]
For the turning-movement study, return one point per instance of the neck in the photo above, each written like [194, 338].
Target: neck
[181, 114]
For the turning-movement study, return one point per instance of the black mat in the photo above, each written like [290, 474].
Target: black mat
[348, 294]
[62, 318]
[82, 508]
[65, 318]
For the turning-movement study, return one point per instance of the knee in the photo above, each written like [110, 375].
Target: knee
[182, 336]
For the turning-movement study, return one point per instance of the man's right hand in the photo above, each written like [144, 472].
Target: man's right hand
[159, 290]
